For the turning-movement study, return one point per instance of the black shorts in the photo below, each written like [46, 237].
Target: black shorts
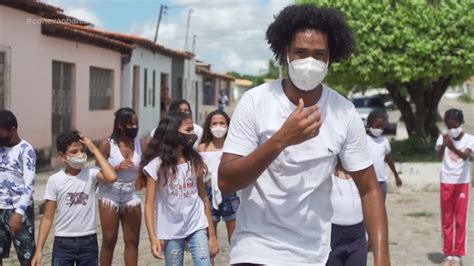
[24, 241]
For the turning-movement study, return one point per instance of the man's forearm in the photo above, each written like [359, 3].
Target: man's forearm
[375, 218]
[238, 173]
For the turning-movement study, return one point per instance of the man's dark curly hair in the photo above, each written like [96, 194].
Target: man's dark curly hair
[294, 18]
[66, 138]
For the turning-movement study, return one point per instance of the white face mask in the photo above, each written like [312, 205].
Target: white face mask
[77, 162]
[218, 131]
[455, 132]
[377, 132]
[307, 73]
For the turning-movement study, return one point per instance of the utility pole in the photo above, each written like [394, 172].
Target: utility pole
[188, 83]
[162, 10]
[194, 43]
[187, 29]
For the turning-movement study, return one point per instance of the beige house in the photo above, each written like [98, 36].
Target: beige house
[238, 88]
[211, 83]
[55, 76]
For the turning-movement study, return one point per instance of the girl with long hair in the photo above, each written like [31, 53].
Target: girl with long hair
[173, 173]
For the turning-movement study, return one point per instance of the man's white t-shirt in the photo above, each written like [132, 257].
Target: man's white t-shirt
[378, 148]
[197, 130]
[454, 169]
[284, 217]
[75, 202]
[179, 209]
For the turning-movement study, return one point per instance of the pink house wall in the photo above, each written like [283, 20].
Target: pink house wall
[32, 54]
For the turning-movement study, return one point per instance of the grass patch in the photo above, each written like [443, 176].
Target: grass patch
[420, 214]
[414, 150]
[465, 98]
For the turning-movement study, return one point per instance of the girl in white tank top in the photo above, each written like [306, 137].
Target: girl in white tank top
[213, 137]
[348, 241]
[118, 202]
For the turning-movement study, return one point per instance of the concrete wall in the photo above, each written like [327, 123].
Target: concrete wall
[31, 55]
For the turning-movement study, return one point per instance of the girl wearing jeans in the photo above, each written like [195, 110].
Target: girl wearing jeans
[173, 172]
[455, 148]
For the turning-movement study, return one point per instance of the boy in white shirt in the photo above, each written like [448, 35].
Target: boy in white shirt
[72, 192]
[17, 174]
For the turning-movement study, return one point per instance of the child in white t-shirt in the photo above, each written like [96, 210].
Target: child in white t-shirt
[72, 192]
[455, 148]
[175, 192]
[379, 150]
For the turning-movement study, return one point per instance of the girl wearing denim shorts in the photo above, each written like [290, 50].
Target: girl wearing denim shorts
[118, 202]
[213, 137]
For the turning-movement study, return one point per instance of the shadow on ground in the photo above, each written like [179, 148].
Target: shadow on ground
[435, 257]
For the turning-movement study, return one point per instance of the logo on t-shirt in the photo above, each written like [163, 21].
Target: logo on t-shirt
[330, 151]
[453, 156]
[76, 198]
[183, 189]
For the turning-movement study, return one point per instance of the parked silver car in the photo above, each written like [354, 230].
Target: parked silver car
[367, 104]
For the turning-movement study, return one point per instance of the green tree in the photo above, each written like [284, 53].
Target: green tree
[414, 48]
[273, 70]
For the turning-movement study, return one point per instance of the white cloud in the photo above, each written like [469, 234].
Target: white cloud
[229, 35]
[83, 14]
[77, 9]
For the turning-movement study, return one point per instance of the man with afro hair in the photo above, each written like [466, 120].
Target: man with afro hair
[282, 147]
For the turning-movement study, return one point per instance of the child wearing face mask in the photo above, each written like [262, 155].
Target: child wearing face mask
[454, 148]
[118, 202]
[174, 176]
[17, 175]
[71, 192]
[214, 134]
[379, 150]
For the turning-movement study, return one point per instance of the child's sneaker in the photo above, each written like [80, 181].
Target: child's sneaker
[447, 261]
[456, 261]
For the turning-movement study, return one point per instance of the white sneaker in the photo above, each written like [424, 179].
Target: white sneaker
[447, 261]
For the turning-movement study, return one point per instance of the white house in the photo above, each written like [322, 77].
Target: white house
[210, 84]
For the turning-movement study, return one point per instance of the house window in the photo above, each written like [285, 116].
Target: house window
[62, 101]
[100, 88]
[209, 92]
[154, 89]
[3, 77]
[145, 84]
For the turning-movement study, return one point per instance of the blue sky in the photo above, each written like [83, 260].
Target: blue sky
[230, 34]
